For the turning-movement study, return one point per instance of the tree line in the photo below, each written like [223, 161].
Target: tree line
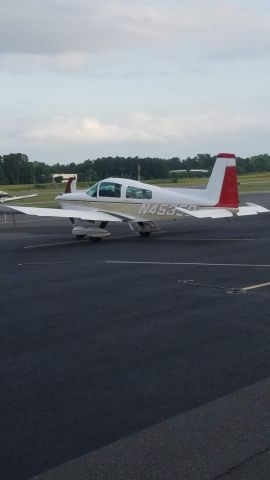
[16, 168]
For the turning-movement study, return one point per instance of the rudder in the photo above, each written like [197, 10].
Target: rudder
[222, 186]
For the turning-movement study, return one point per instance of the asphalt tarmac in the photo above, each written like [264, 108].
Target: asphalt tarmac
[100, 341]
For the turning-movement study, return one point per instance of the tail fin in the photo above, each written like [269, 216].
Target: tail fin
[222, 187]
[71, 185]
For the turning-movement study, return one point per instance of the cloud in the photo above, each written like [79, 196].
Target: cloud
[69, 138]
[86, 130]
[21, 63]
[141, 127]
[73, 29]
[55, 27]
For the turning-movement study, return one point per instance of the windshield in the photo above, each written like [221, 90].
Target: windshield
[110, 189]
[92, 192]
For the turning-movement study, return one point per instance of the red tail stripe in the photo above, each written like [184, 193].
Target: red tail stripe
[229, 193]
[226, 155]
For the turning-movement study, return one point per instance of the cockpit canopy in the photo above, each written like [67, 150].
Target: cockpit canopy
[110, 189]
[135, 192]
[105, 189]
[113, 189]
[92, 191]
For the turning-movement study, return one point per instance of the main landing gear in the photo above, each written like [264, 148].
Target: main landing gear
[146, 228]
[95, 231]
[90, 230]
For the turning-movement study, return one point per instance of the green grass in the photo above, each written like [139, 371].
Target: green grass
[254, 182]
[46, 195]
[246, 183]
[181, 182]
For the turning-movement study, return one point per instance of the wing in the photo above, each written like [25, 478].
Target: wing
[249, 209]
[90, 214]
[11, 199]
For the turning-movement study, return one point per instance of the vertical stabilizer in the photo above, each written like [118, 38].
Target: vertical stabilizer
[222, 187]
[71, 185]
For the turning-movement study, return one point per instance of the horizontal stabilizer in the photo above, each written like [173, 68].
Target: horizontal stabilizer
[251, 209]
[206, 212]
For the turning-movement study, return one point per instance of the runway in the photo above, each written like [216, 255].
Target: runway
[100, 341]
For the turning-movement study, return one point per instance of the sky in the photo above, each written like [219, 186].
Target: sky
[83, 79]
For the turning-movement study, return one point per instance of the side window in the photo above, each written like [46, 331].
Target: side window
[110, 189]
[134, 192]
[92, 191]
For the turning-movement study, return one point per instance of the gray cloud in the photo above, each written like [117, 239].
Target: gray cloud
[53, 27]
[205, 27]
[136, 127]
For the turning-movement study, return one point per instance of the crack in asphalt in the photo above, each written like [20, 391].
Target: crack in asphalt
[231, 290]
[244, 462]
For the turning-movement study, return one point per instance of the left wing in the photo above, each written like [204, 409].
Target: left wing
[216, 212]
[93, 215]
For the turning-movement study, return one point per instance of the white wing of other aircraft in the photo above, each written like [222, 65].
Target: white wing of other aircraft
[6, 197]
[125, 200]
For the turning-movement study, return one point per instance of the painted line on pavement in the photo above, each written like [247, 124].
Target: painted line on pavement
[45, 263]
[207, 239]
[78, 242]
[199, 264]
[70, 242]
[252, 287]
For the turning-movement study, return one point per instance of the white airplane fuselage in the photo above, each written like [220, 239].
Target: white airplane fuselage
[161, 206]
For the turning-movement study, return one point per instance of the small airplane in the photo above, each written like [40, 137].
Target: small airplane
[121, 200]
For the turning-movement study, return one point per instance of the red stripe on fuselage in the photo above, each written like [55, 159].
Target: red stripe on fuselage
[229, 193]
